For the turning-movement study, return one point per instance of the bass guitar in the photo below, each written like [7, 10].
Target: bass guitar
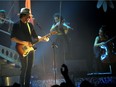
[24, 50]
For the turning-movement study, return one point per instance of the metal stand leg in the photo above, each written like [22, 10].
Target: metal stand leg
[54, 60]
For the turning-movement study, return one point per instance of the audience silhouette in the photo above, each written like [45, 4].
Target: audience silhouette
[68, 82]
[86, 83]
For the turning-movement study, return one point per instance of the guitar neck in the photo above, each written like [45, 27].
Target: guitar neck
[47, 35]
[110, 39]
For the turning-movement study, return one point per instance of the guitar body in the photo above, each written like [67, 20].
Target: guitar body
[23, 50]
[104, 51]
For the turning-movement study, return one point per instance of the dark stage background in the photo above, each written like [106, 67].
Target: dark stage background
[83, 17]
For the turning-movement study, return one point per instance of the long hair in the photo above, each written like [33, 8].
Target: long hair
[103, 29]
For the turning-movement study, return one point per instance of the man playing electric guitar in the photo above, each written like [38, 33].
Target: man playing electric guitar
[22, 33]
[25, 49]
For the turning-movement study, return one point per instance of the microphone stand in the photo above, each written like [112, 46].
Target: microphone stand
[54, 60]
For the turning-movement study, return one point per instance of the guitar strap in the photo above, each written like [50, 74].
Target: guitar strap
[29, 28]
[33, 41]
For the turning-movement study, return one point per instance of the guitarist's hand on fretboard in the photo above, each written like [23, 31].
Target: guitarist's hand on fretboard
[46, 37]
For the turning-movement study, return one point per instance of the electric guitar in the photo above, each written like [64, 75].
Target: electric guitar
[24, 50]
